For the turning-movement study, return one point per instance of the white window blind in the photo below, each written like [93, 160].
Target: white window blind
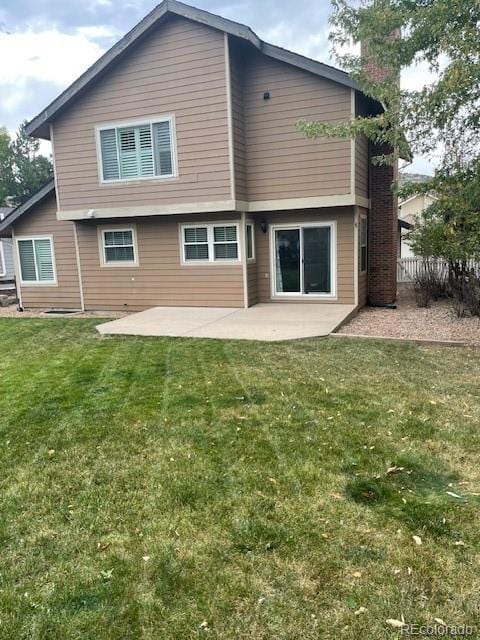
[196, 243]
[225, 243]
[137, 151]
[36, 260]
[118, 246]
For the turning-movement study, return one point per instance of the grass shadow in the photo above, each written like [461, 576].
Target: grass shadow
[412, 494]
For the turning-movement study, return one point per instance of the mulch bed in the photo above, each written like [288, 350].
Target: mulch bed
[437, 322]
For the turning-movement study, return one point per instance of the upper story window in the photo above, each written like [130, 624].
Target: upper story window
[137, 151]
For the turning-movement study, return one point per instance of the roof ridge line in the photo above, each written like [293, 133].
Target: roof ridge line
[38, 125]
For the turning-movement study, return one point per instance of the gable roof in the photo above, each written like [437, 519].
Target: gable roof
[417, 195]
[39, 126]
[22, 209]
[4, 212]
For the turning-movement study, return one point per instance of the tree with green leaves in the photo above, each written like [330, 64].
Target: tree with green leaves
[444, 34]
[5, 167]
[23, 170]
[30, 170]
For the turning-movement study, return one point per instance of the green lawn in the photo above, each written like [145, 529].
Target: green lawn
[174, 489]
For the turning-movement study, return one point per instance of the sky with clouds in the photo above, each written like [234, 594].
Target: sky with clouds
[46, 44]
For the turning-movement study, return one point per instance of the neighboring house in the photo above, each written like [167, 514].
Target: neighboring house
[409, 212]
[180, 179]
[7, 271]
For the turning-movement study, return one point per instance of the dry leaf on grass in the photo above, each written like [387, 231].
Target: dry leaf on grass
[394, 469]
[397, 624]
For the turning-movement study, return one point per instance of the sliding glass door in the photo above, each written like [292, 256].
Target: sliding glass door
[303, 260]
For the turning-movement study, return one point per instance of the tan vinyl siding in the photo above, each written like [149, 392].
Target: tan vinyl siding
[281, 163]
[42, 220]
[362, 153]
[345, 253]
[160, 279]
[178, 69]
[238, 123]
[361, 167]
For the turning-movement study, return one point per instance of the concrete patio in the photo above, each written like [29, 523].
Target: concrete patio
[267, 322]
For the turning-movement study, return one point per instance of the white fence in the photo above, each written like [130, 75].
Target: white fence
[409, 268]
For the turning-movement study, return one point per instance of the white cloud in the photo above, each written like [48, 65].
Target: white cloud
[98, 31]
[313, 45]
[94, 5]
[48, 56]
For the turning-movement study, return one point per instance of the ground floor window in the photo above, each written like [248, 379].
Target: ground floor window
[303, 260]
[250, 241]
[210, 243]
[36, 260]
[118, 246]
[363, 233]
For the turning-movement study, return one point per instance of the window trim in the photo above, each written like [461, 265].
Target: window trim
[333, 295]
[37, 283]
[250, 223]
[211, 243]
[3, 264]
[101, 230]
[360, 245]
[136, 123]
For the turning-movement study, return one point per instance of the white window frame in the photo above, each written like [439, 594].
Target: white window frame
[3, 267]
[333, 261]
[211, 243]
[37, 283]
[252, 258]
[137, 123]
[101, 230]
[360, 245]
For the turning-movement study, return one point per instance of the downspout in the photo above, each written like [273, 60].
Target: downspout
[79, 266]
[243, 249]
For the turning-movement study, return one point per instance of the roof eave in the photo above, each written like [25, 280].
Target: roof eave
[36, 198]
[39, 126]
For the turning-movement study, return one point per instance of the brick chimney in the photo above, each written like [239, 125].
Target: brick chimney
[383, 214]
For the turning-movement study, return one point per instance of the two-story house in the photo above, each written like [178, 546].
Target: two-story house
[180, 179]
